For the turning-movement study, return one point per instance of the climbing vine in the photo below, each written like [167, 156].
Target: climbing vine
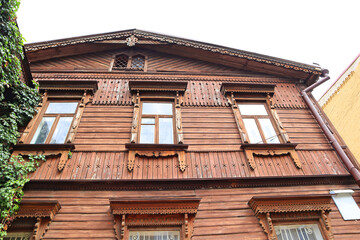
[17, 106]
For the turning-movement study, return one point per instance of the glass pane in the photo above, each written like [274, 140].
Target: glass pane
[43, 130]
[252, 109]
[63, 107]
[148, 120]
[61, 130]
[154, 235]
[157, 108]
[298, 232]
[252, 130]
[166, 131]
[268, 130]
[147, 134]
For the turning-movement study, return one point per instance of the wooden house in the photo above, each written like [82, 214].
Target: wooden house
[149, 136]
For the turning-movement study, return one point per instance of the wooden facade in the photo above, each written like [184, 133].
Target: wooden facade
[212, 181]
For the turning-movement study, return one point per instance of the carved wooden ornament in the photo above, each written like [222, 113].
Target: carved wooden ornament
[272, 210]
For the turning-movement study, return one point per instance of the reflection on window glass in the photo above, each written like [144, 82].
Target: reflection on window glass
[166, 131]
[147, 134]
[61, 130]
[252, 130]
[43, 130]
[154, 235]
[157, 108]
[61, 107]
[252, 109]
[268, 130]
[298, 232]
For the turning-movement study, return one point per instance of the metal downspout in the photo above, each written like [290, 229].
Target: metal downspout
[350, 166]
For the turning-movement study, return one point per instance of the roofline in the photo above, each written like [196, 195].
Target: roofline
[179, 41]
[339, 81]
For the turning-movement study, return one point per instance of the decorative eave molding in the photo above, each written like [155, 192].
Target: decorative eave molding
[178, 41]
[280, 204]
[155, 206]
[69, 85]
[231, 87]
[38, 208]
[173, 86]
[339, 82]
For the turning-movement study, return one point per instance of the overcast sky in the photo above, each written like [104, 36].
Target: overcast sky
[323, 32]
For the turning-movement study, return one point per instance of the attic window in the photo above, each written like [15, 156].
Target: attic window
[125, 62]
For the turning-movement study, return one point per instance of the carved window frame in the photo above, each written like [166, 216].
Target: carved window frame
[43, 211]
[291, 210]
[129, 66]
[154, 213]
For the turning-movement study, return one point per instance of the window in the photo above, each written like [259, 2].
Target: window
[298, 232]
[125, 62]
[257, 122]
[55, 123]
[157, 123]
[154, 235]
[18, 236]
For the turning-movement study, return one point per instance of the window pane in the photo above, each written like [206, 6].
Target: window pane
[147, 134]
[61, 130]
[43, 130]
[154, 235]
[252, 109]
[166, 131]
[157, 108]
[63, 107]
[148, 121]
[138, 62]
[298, 232]
[268, 130]
[252, 130]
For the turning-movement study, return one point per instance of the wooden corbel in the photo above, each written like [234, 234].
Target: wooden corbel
[238, 118]
[84, 100]
[134, 126]
[179, 130]
[28, 128]
[156, 151]
[270, 150]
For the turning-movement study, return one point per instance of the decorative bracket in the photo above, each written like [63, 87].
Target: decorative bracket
[156, 151]
[270, 150]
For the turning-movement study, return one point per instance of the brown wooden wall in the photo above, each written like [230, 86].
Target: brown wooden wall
[222, 214]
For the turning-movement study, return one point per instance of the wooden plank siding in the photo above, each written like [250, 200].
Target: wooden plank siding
[222, 213]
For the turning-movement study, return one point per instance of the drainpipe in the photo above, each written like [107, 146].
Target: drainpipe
[350, 166]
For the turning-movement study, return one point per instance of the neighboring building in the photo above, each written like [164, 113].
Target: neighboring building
[341, 103]
[149, 136]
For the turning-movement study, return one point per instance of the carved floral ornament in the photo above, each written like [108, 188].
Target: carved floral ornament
[153, 212]
[272, 211]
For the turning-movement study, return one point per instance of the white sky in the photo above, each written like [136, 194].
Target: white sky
[324, 32]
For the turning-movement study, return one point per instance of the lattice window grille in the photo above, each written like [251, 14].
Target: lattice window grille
[121, 61]
[154, 235]
[18, 236]
[138, 62]
[298, 232]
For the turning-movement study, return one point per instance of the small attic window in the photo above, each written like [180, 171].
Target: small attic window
[125, 62]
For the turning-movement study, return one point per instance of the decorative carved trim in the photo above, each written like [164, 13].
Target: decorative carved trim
[231, 87]
[156, 151]
[238, 118]
[179, 130]
[292, 208]
[270, 150]
[136, 116]
[155, 220]
[69, 85]
[47, 150]
[38, 208]
[131, 41]
[168, 86]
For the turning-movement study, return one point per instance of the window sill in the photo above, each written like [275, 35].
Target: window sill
[252, 149]
[156, 151]
[47, 150]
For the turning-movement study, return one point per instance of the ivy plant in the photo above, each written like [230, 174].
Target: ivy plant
[17, 106]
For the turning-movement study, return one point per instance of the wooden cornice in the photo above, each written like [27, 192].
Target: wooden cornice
[232, 87]
[156, 147]
[296, 203]
[69, 85]
[155, 206]
[168, 86]
[38, 208]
